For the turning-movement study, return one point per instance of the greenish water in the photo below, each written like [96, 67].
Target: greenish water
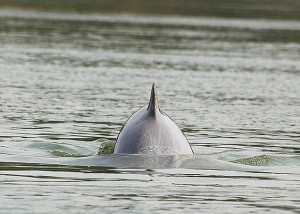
[70, 80]
[274, 9]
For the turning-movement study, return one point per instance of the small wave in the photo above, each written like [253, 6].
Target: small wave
[66, 154]
[261, 160]
[268, 160]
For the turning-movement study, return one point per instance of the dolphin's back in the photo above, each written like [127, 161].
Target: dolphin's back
[150, 131]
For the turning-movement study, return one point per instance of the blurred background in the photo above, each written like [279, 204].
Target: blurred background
[279, 9]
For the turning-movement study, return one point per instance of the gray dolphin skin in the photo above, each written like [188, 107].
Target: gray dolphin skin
[150, 131]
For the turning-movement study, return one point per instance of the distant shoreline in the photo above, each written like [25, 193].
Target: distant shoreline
[268, 9]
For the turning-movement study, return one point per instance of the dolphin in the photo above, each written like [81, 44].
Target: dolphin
[151, 131]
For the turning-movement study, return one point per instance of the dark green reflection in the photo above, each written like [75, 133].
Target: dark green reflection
[54, 167]
[232, 8]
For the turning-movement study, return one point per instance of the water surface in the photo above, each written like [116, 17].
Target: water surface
[70, 80]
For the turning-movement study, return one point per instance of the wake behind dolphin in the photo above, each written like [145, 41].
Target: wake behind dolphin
[151, 131]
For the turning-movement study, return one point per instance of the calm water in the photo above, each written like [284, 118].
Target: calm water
[69, 81]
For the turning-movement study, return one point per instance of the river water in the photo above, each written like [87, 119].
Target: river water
[70, 80]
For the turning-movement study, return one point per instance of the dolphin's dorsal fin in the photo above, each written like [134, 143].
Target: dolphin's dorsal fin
[153, 108]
